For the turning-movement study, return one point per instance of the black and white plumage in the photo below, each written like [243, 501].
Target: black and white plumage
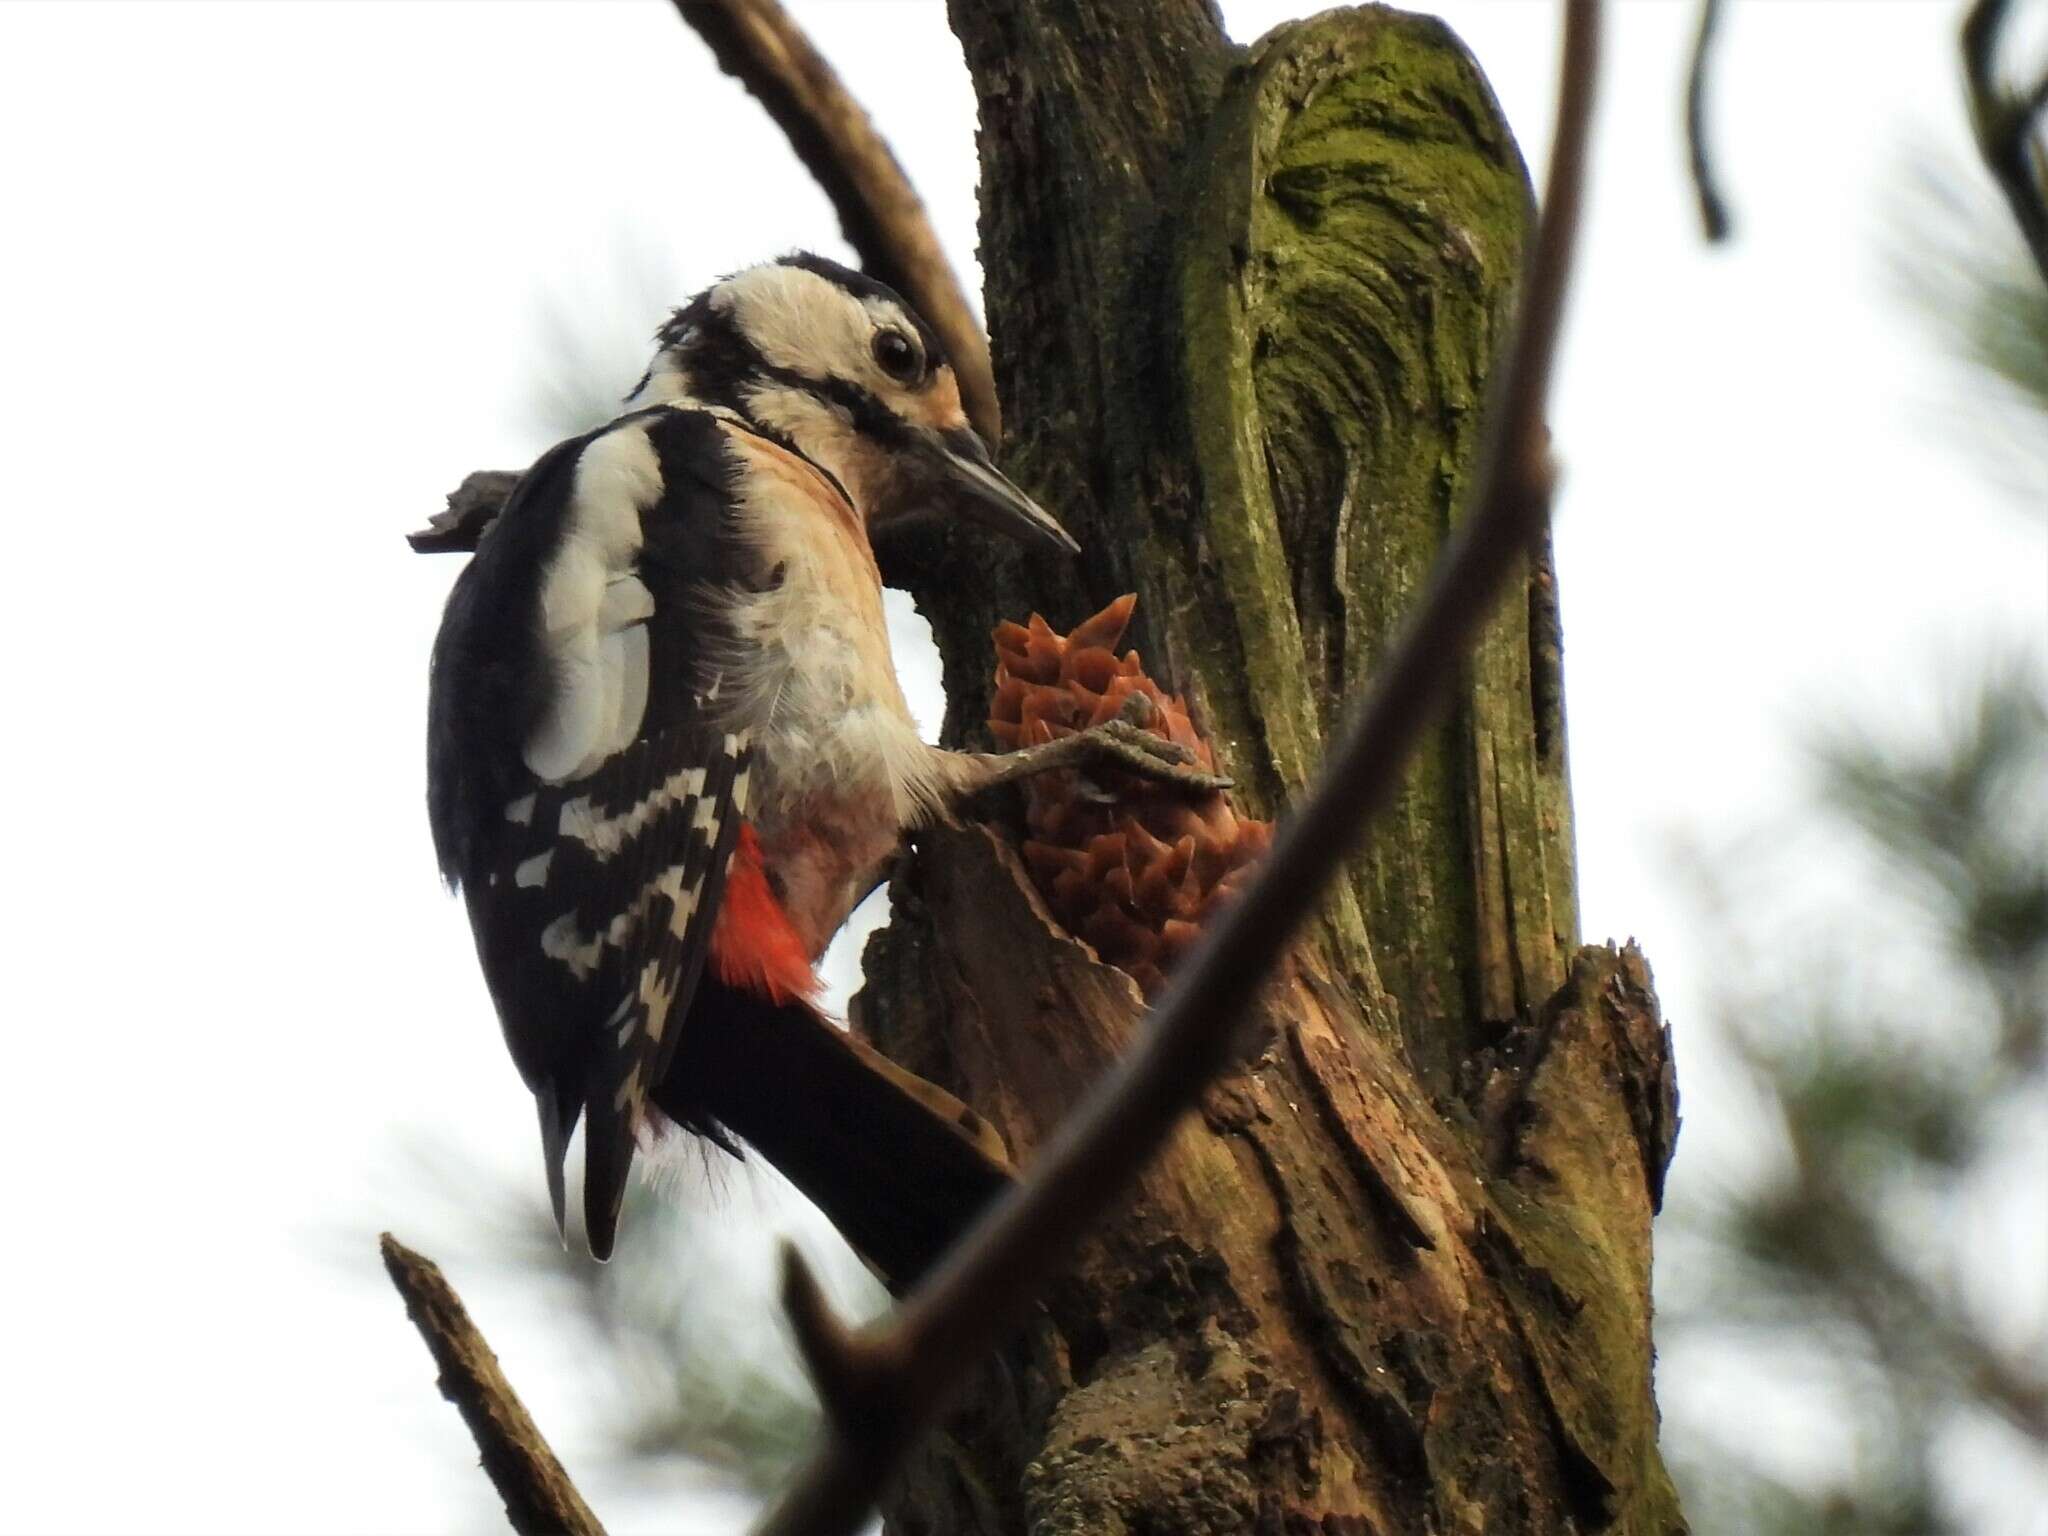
[581, 793]
[670, 648]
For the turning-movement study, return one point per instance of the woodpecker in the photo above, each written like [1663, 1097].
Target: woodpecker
[668, 753]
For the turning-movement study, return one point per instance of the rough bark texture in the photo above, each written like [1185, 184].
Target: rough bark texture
[1395, 1278]
[539, 1498]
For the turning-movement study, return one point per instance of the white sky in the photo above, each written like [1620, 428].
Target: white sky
[277, 276]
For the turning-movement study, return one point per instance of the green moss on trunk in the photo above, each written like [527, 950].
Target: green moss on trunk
[1345, 287]
[1244, 306]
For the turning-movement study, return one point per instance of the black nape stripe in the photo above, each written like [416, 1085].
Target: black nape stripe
[713, 353]
[788, 445]
[869, 416]
[722, 364]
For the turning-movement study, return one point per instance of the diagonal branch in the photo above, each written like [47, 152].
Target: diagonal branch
[2004, 125]
[539, 1498]
[884, 220]
[882, 1385]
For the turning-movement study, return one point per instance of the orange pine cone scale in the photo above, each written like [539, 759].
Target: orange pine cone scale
[1129, 865]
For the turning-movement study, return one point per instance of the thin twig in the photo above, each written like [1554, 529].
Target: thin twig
[1866, 1271]
[539, 1498]
[2004, 124]
[1713, 209]
[881, 1386]
[879, 210]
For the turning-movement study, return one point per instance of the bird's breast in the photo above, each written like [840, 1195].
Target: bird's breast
[812, 676]
[838, 767]
[836, 759]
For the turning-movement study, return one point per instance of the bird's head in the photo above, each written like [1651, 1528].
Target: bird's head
[840, 367]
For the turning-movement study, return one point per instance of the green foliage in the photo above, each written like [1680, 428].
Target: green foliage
[1957, 259]
[1895, 1043]
[1863, 1254]
[684, 1383]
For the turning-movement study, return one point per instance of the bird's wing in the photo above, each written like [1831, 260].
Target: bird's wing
[585, 792]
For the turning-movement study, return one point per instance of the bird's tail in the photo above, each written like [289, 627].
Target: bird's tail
[900, 1166]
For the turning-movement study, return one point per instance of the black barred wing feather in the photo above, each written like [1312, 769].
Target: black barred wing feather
[617, 895]
[583, 797]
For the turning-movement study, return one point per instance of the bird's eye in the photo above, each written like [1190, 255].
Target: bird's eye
[898, 356]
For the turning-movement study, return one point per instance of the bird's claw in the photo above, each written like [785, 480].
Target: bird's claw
[1131, 747]
[1136, 709]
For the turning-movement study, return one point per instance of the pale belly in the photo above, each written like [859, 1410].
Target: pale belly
[840, 773]
[837, 764]
[823, 853]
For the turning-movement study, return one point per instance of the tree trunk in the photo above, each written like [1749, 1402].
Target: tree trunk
[1395, 1278]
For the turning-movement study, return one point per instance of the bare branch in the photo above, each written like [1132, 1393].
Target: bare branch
[472, 507]
[880, 212]
[539, 1498]
[2004, 126]
[2035, 101]
[1713, 210]
[907, 1365]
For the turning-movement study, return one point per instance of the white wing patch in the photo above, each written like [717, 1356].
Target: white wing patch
[594, 610]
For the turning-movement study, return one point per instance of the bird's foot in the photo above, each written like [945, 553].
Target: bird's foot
[1125, 743]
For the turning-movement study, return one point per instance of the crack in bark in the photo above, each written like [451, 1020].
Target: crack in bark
[1649, 1080]
[1589, 1492]
[1383, 1199]
[1382, 1413]
[1546, 658]
[1499, 1082]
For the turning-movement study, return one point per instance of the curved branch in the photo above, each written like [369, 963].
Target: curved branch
[2004, 125]
[757, 42]
[881, 214]
[1706, 187]
[905, 1367]
[539, 1498]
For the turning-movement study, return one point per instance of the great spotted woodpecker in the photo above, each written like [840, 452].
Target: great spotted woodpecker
[668, 754]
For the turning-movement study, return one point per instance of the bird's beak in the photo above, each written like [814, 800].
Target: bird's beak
[955, 475]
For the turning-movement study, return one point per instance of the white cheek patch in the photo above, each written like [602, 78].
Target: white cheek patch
[594, 610]
[821, 431]
[810, 325]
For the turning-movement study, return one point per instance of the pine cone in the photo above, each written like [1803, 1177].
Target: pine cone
[1126, 863]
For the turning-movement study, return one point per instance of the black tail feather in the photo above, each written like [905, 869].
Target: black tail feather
[559, 1107]
[897, 1164]
[608, 1147]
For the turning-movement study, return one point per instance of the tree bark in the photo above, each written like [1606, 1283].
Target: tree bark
[1395, 1278]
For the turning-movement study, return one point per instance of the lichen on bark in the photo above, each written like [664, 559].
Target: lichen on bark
[1348, 275]
[1395, 1277]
